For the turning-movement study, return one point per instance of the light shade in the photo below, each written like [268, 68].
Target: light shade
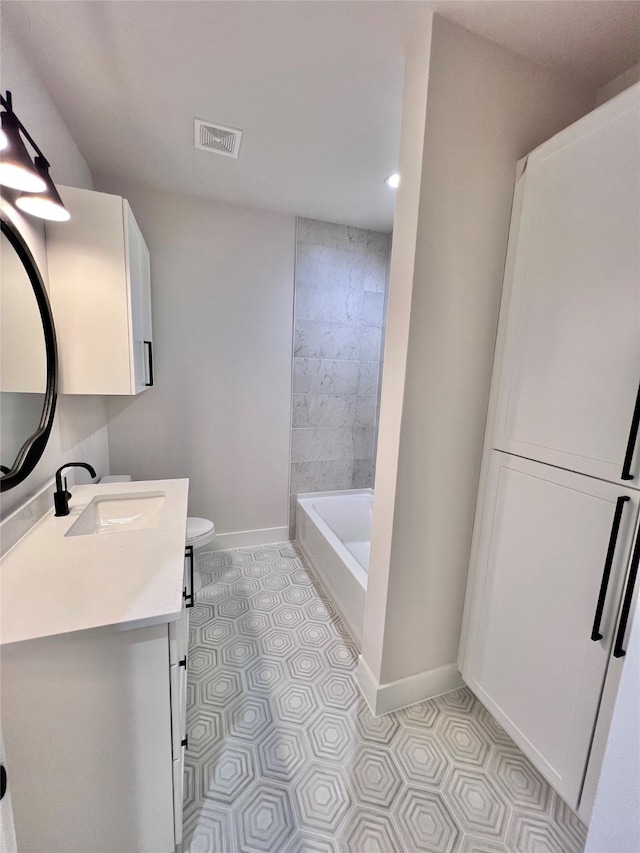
[393, 181]
[47, 204]
[4, 140]
[16, 169]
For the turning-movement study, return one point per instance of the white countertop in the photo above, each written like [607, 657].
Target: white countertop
[55, 584]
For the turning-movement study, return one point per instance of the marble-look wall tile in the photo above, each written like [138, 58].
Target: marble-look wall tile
[335, 305]
[375, 271]
[350, 342]
[363, 474]
[315, 339]
[370, 339]
[325, 376]
[320, 476]
[341, 278]
[363, 443]
[368, 377]
[366, 410]
[340, 236]
[326, 267]
[330, 444]
[324, 410]
[372, 309]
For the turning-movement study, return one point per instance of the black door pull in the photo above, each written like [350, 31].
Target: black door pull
[149, 344]
[631, 444]
[188, 596]
[3, 781]
[606, 574]
[618, 651]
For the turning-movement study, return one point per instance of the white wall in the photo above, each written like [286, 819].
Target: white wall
[79, 431]
[485, 108]
[219, 413]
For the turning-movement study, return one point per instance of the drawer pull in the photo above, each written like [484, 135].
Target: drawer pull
[618, 651]
[183, 662]
[188, 596]
[149, 345]
[615, 527]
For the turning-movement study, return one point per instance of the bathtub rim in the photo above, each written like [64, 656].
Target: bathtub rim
[357, 570]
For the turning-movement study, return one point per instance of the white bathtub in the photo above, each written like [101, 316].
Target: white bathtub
[334, 532]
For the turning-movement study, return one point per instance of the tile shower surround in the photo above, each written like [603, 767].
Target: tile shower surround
[285, 757]
[341, 278]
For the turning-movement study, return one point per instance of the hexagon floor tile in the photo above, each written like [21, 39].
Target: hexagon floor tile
[285, 757]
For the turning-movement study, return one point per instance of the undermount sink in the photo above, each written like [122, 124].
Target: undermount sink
[119, 513]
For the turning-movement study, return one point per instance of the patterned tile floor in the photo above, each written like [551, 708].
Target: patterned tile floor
[285, 757]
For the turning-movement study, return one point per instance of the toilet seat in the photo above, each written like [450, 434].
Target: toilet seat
[200, 531]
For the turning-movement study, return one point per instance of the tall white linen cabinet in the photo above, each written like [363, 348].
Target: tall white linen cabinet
[552, 582]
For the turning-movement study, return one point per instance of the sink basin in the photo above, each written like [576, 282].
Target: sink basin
[118, 513]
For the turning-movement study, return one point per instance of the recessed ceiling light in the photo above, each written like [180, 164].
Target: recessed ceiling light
[393, 181]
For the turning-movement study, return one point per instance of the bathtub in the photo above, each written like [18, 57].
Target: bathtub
[334, 531]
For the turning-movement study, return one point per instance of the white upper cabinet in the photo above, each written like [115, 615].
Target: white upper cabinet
[552, 544]
[571, 368]
[100, 291]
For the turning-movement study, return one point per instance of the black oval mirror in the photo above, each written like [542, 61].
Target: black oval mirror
[28, 360]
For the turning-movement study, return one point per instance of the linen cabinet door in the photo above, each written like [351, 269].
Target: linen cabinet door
[571, 367]
[138, 270]
[531, 660]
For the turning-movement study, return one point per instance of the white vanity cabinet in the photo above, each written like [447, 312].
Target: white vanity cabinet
[100, 293]
[94, 725]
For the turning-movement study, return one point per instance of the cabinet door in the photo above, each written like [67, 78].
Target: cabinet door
[139, 272]
[531, 660]
[571, 366]
[88, 289]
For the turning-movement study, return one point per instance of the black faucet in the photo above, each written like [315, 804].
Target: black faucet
[61, 495]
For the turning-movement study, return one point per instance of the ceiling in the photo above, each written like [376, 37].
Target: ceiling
[315, 86]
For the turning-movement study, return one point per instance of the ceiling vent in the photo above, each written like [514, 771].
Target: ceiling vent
[215, 137]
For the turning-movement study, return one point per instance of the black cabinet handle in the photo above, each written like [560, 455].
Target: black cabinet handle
[188, 596]
[631, 444]
[615, 527]
[3, 781]
[183, 662]
[185, 742]
[149, 344]
[618, 651]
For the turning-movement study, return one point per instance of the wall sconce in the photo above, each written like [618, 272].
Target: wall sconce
[38, 194]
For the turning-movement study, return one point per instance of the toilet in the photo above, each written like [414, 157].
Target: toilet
[200, 531]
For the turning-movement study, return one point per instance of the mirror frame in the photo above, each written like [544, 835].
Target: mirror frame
[33, 448]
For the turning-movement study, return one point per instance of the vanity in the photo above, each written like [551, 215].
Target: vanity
[94, 596]
[94, 631]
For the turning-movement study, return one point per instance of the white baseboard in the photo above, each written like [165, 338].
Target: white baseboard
[248, 538]
[385, 698]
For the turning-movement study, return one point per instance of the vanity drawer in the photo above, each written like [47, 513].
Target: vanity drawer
[178, 795]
